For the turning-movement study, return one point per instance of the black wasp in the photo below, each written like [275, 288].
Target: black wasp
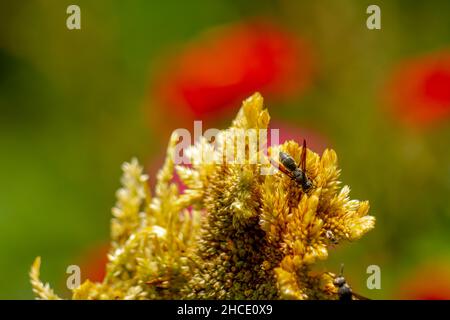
[298, 174]
[345, 292]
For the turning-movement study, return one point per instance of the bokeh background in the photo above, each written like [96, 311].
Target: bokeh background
[75, 104]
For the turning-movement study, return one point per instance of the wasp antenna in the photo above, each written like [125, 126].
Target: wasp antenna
[304, 143]
[342, 269]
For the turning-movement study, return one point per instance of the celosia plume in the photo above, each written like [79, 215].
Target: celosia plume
[245, 235]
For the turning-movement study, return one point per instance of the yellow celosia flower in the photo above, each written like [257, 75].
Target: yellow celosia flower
[234, 233]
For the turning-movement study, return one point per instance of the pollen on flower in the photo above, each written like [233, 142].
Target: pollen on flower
[233, 233]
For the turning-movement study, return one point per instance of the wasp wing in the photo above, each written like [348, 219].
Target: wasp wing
[303, 157]
[280, 166]
[359, 297]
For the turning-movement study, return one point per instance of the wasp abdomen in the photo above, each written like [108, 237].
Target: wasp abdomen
[298, 176]
[287, 161]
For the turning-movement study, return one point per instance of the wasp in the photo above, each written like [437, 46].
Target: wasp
[295, 172]
[345, 292]
[158, 283]
[330, 236]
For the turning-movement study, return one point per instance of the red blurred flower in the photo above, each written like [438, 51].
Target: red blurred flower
[430, 282]
[228, 64]
[419, 90]
[93, 263]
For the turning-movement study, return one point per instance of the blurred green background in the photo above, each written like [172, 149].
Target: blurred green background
[75, 104]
